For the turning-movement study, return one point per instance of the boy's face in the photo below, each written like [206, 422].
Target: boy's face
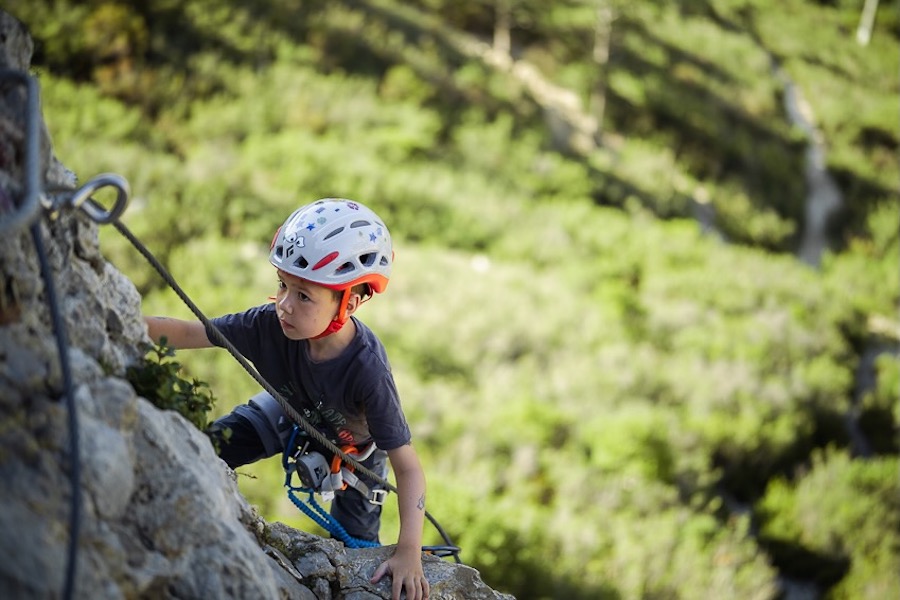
[305, 309]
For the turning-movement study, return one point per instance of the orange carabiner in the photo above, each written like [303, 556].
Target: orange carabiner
[336, 461]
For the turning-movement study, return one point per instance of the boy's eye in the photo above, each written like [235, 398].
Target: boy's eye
[282, 286]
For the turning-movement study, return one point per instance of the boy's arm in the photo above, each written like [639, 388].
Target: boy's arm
[405, 566]
[179, 334]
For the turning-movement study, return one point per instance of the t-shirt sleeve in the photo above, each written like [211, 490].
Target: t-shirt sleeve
[248, 331]
[384, 415]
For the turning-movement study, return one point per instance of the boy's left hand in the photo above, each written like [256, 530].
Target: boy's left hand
[405, 569]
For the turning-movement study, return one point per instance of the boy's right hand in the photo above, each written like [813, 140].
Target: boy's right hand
[405, 569]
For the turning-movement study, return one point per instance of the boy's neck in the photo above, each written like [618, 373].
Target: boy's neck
[331, 346]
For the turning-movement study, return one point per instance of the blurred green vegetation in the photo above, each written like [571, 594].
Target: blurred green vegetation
[610, 400]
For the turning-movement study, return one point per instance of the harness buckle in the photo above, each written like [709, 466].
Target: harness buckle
[377, 497]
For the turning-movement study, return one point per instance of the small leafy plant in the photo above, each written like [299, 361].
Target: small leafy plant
[158, 378]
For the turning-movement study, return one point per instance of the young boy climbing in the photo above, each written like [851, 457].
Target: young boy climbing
[330, 256]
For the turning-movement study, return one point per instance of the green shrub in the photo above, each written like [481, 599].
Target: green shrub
[838, 525]
[159, 379]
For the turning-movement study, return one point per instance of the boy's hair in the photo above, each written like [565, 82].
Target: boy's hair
[362, 290]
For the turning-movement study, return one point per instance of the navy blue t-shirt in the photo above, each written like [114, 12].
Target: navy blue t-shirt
[354, 392]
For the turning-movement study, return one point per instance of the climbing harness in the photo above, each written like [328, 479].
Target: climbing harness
[313, 471]
[316, 476]
[81, 198]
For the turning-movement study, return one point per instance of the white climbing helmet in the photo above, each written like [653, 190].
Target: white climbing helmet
[336, 243]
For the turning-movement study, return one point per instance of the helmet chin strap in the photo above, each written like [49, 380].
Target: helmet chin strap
[333, 327]
[338, 322]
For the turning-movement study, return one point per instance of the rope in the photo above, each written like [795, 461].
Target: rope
[62, 344]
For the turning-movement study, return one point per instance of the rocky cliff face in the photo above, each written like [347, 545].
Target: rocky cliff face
[161, 515]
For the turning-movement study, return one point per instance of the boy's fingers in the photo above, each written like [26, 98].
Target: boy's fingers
[379, 572]
[416, 589]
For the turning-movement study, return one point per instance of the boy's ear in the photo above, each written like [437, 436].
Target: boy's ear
[353, 303]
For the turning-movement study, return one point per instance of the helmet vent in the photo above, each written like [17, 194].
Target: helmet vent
[368, 259]
[344, 268]
[301, 262]
[356, 224]
[333, 233]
